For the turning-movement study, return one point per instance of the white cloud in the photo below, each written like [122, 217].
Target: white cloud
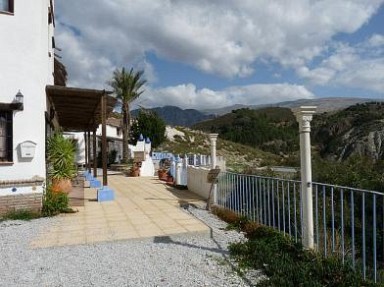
[360, 66]
[188, 96]
[218, 37]
[366, 73]
[376, 40]
[84, 69]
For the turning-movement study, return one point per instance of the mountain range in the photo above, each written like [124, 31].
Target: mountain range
[176, 116]
[323, 105]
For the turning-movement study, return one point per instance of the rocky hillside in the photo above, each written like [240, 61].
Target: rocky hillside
[357, 130]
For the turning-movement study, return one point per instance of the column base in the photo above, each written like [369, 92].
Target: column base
[94, 183]
[105, 194]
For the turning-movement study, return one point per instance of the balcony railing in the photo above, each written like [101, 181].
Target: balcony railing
[348, 222]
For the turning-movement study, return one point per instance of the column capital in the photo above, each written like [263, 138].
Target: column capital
[304, 115]
[213, 137]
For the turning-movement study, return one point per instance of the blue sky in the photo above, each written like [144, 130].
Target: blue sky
[210, 54]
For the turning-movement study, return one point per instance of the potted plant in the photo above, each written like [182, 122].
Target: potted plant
[162, 173]
[61, 162]
[135, 170]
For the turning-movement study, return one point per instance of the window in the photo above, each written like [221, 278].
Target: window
[6, 144]
[118, 131]
[6, 6]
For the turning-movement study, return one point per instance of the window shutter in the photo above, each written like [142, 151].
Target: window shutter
[9, 140]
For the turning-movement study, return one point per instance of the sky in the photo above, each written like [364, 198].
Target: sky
[206, 54]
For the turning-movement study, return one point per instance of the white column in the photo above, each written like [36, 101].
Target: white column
[304, 117]
[213, 138]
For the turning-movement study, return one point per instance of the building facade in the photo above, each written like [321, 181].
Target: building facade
[27, 66]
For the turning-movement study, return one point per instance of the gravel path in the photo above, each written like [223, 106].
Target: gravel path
[182, 260]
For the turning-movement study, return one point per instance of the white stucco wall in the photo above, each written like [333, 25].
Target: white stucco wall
[20, 189]
[114, 140]
[111, 132]
[26, 65]
[197, 181]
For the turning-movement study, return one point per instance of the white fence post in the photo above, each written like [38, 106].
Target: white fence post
[304, 116]
[213, 138]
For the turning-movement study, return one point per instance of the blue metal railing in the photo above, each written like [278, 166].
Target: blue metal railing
[348, 222]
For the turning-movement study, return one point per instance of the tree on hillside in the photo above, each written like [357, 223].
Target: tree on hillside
[127, 88]
[150, 125]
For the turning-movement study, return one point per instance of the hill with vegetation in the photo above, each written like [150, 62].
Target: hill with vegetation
[355, 131]
[239, 157]
[175, 116]
[348, 145]
[270, 129]
[322, 104]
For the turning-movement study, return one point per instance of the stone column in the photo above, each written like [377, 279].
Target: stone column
[304, 117]
[213, 138]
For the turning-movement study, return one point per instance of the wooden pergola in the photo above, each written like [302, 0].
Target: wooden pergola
[83, 110]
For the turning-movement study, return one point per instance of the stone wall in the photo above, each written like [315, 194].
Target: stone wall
[27, 201]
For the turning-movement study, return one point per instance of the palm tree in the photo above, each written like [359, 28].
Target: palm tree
[60, 75]
[127, 89]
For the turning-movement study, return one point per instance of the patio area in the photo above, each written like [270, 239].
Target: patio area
[143, 207]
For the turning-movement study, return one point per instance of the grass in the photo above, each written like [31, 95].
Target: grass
[20, 215]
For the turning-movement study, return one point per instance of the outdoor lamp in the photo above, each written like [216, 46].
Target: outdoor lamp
[19, 101]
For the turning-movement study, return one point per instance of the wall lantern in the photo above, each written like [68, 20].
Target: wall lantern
[18, 102]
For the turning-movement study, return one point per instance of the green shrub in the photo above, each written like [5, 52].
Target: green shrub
[286, 263]
[20, 215]
[60, 157]
[234, 220]
[54, 203]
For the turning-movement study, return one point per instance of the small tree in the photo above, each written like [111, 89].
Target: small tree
[150, 125]
[127, 88]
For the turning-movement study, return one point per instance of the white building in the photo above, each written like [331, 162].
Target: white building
[114, 140]
[27, 63]
[114, 137]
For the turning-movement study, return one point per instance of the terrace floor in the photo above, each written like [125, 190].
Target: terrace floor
[143, 207]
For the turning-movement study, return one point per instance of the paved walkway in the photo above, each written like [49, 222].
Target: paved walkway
[143, 207]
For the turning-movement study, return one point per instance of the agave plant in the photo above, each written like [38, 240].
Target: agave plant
[61, 157]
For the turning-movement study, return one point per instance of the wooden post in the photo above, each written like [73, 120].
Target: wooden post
[104, 137]
[86, 150]
[94, 154]
[89, 150]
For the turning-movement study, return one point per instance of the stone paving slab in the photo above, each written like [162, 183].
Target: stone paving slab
[143, 207]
